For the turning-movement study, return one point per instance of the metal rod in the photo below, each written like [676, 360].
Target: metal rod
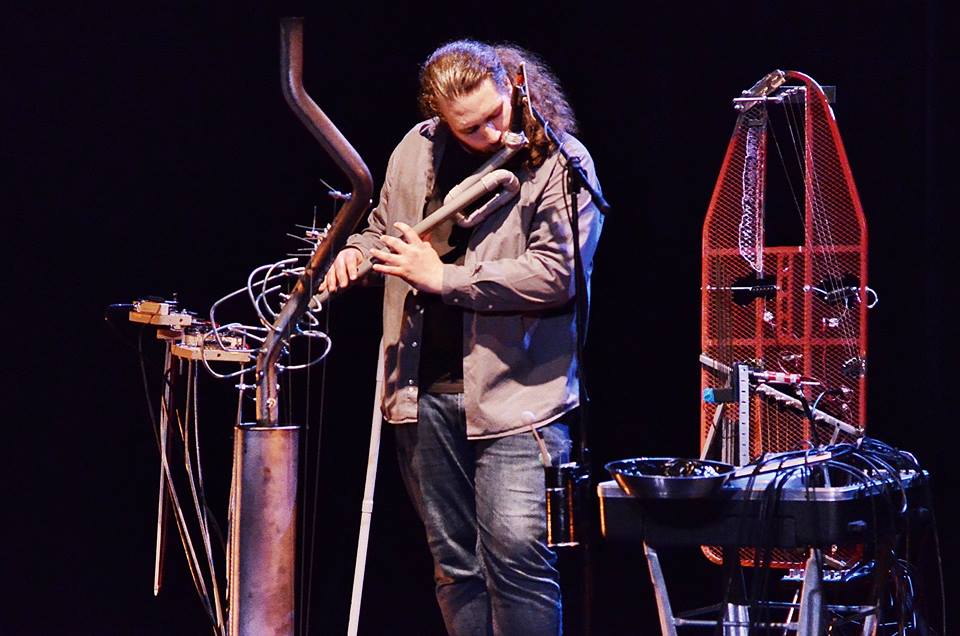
[668, 622]
[165, 405]
[785, 398]
[349, 161]
[811, 598]
[685, 622]
[263, 522]
[712, 432]
[366, 505]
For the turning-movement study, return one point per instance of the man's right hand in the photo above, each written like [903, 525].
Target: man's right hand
[343, 271]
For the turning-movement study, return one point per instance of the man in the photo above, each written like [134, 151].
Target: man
[479, 336]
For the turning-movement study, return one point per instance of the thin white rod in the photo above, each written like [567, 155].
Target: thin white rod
[366, 507]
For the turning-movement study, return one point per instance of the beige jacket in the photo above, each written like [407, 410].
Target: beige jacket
[516, 288]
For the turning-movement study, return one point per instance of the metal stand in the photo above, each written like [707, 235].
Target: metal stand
[735, 619]
[668, 622]
[166, 406]
[811, 597]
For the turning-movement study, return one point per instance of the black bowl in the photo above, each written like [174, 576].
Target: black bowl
[669, 477]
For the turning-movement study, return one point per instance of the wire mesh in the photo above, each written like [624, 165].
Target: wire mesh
[811, 318]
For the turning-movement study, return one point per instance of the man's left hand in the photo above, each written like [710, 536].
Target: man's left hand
[412, 259]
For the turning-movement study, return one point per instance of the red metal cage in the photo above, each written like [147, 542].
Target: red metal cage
[798, 309]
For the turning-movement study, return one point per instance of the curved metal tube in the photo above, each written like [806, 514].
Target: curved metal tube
[489, 178]
[347, 159]
[506, 185]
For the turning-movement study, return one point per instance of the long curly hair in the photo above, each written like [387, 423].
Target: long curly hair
[459, 67]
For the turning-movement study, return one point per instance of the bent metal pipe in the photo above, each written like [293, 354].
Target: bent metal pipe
[489, 178]
[349, 161]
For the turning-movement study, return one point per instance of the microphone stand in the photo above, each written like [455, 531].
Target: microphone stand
[576, 180]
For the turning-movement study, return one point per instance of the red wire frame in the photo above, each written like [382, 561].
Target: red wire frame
[797, 330]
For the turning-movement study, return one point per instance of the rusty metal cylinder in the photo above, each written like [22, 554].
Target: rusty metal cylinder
[263, 531]
[567, 486]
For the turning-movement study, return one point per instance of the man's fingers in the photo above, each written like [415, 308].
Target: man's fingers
[330, 280]
[340, 271]
[345, 268]
[387, 269]
[408, 234]
[383, 256]
[395, 244]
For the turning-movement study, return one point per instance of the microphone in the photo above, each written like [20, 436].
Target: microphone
[514, 137]
[517, 99]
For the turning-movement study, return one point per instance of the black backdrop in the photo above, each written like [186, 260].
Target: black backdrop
[150, 152]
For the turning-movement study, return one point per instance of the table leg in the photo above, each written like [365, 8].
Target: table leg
[811, 598]
[667, 623]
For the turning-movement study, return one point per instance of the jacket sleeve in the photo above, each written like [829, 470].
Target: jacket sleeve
[377, 220]
[542, 276]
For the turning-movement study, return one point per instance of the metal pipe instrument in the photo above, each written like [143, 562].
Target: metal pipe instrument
[488, 178]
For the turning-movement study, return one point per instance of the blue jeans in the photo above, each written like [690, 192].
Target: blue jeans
[482, 504]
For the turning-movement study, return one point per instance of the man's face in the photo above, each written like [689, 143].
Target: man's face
[479, 118]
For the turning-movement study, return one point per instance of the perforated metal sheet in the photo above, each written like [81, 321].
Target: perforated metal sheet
[814, 323]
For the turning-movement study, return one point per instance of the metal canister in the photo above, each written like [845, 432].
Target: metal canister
[564, 492]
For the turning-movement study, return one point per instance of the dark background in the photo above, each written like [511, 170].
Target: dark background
[150, 151]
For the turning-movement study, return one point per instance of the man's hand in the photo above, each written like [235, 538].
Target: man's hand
[412, 259]
[343, 270]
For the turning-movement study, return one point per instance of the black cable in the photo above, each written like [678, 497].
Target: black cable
[868, 484]
[928, 496]
[886, 462]
[874, 467]
[807, 475]
[107, 318]
[762, 551]
[774, 497]
[745, 517]
[146, 388]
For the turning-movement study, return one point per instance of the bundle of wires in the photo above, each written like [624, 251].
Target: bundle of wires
[877, 469]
